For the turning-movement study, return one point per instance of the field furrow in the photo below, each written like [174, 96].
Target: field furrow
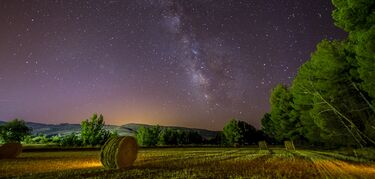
[331, 166]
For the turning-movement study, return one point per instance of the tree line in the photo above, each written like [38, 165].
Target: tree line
[331, 100]
[235, 133]
[92, 134]
[155, 135]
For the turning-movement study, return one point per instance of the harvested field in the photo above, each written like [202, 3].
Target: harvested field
[192, 163]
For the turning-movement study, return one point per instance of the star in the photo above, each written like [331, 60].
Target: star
[197, 63]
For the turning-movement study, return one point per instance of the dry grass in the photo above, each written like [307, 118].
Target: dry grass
[39, 162]
[190, 163]
[335, 168]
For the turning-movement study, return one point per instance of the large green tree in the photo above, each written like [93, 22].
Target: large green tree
[285, 123]
[333, 92]
[357, 17]
[93, 132]
[239, 133]
[268, 125]
[168, 136]
[14, 131]
[148, 136]
[354, 15]
[335, 107]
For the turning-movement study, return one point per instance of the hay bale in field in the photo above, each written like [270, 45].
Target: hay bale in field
[10, 150]
[289, 145]
[119, 152]
[263, 145]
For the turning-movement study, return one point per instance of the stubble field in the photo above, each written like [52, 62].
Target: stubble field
[193, 163]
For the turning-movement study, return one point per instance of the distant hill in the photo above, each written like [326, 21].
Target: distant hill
[203, 132]
[127, 129]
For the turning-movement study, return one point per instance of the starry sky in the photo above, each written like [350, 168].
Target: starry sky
[192, 63]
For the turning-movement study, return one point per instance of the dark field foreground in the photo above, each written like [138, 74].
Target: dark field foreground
[192, 163]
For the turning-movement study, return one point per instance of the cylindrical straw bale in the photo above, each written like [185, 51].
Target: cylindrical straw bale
[119, 152]
[10, 150]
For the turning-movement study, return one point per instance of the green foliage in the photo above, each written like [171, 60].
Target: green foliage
[361, 44]
[331, 100]
[267, 125]
[311, 78]
[14, 131]
[193, 137]
[56, 139]
[114, 134]
[168, 136]
[151, 136]
[267, 131]
[41, 139]
[219, 139]
[93, 132]
[148, 136]
[354, 14]
[233, 133]
[358, 18]
[239, 133]
[71, 139]
[324, 91]
[283, 123]
[188, 137]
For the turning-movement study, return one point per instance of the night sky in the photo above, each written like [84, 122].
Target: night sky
[192, 63]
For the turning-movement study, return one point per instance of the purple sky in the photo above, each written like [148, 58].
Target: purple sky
[195, 63]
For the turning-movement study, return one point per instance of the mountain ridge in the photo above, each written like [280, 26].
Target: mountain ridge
[126, 129]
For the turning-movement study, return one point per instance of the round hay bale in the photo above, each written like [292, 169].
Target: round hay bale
[119, 152]
[10, 150]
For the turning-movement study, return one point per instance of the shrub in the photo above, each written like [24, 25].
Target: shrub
[71, 140]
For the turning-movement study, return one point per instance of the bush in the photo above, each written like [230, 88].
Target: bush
[71, 140]
[56, 139]
[41, 139]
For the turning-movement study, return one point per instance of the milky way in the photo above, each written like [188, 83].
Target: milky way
[194, 63]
